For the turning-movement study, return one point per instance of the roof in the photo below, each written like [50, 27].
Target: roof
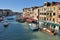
[35, 7]
[51, 3]
[26, 8]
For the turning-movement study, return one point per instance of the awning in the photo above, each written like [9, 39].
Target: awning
[50, 23]
[29, 20]
[41, 21]
[26, 17]
[53, 24]
[35, 18]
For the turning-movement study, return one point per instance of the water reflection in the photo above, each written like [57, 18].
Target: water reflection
[15, 32]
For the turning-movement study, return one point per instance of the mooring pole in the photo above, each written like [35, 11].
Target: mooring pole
[38, 18]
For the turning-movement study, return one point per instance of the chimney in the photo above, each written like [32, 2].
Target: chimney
[47, 3]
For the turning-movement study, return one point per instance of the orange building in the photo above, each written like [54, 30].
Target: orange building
[50, 12]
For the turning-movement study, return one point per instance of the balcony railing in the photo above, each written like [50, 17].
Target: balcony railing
[49, 11]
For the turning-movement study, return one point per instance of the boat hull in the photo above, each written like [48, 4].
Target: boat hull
[5, 25]
[48, 31]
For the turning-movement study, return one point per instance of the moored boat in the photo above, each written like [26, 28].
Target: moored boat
[33, 27]
[5, 24]
[1, 19]
[51, 32]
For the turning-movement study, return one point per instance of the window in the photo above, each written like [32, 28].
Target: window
[50, 9]
[44, 9]
[47, 18]
[32, 16]
[59, 22]
[53, 19]
[40, 13]
[53, 14]
[50, 19]
[30, 12]
[39, 9]
[47, 13]
[50, 14]
[35, 13]
[59, 16]
[44, 13]
[44, 18]
[40, 18]
[59, 8]
[54, 8]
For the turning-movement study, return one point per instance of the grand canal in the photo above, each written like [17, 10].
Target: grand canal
[19, 31]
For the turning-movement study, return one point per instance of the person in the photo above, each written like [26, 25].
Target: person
[57, 29]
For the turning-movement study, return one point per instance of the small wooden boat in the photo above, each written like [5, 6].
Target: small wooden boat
[51, 32]
[5, 24]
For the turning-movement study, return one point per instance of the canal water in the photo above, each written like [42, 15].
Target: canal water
[20, 31]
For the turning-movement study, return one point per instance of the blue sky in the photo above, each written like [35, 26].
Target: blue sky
[18, 5]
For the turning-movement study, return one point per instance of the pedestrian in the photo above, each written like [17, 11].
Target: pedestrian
[57, 29]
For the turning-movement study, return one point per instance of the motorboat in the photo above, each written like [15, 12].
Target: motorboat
[33, 27]
[5, 24]
[21, 20]
[10, 18]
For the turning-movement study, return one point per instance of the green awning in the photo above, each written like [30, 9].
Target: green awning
[50, 23]
[41, 20]
[53, 24]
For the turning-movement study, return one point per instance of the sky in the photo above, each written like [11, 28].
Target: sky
[18, 5]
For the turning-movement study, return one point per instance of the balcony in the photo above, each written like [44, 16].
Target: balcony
[49, 11]
[49, 15]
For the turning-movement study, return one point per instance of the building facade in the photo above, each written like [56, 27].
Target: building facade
[28, 12]
[50, 11]
[31, 12]
[7, 12]
[1, 12]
